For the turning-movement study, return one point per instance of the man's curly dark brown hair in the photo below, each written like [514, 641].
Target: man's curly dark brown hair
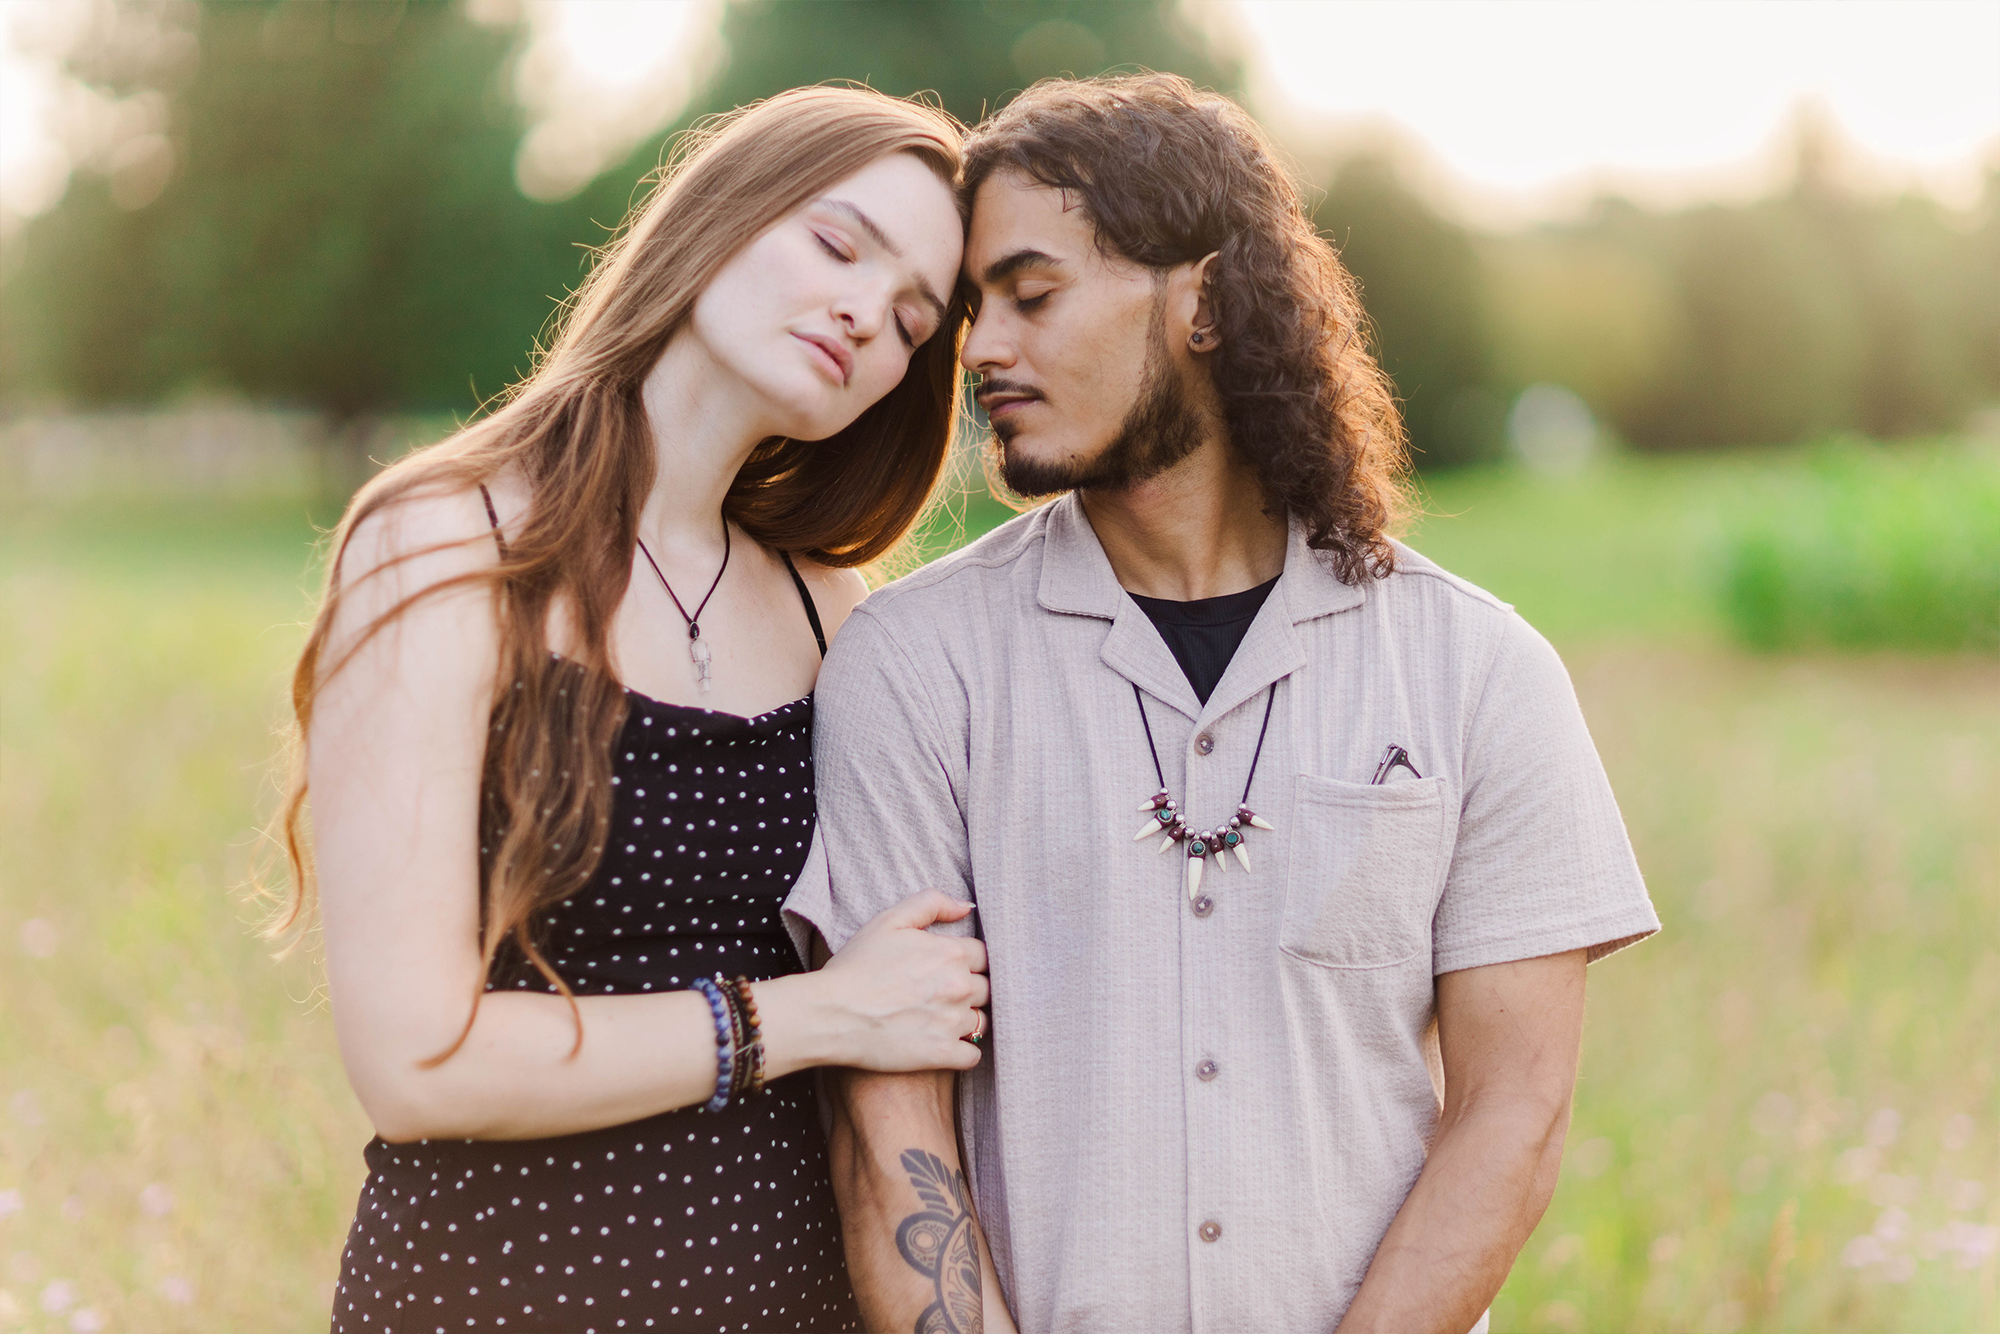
[1167, 174]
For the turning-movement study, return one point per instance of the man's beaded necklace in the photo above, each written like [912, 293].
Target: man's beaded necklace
[1168, 819]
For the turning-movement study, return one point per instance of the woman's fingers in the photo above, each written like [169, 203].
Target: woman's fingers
[924, 908]
[927, 991]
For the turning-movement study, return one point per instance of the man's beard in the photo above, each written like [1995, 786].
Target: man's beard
[1157, 433]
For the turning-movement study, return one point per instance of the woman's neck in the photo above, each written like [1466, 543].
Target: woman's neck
[705, 422]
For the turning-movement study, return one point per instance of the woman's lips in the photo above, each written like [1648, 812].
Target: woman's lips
[830, 357]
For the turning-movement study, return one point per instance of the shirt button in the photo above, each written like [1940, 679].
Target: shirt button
[1211, 1230]
[1204, 743]
[1203, 906]
[1207, 1070]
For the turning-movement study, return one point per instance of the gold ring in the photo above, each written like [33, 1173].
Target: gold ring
[978, 1027]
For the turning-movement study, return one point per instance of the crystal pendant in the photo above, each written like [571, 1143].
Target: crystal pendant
[698, 650]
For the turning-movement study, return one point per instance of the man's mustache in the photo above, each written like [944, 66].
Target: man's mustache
[994, 388]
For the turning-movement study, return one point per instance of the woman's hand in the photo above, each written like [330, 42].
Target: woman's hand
[896, 997]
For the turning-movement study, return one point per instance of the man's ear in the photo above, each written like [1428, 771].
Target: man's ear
[1203, 334]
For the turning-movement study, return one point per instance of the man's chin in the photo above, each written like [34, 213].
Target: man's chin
[1031, 477]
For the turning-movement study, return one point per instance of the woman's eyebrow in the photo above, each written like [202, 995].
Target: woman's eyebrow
[867, 224]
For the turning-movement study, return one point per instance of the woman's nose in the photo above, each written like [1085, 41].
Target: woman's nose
[863, 314]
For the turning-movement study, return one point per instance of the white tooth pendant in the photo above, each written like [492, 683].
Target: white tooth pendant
[1197, 853]
[1165, 813]
[1251, 818]
[1227, 841]
[1214, 841]
[1168, 842]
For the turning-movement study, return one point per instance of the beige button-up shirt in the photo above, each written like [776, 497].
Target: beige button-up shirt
[1202, 1115]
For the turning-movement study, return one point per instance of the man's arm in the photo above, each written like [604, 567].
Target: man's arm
[915, 1253]
[889, 753]
[1509, 1034]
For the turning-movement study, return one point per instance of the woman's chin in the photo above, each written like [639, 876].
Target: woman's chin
[812, 417]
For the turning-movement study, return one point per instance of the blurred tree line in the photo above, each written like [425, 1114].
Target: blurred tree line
[326, 215]
[1815, 312]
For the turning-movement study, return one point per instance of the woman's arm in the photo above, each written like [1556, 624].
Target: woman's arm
[395, 753]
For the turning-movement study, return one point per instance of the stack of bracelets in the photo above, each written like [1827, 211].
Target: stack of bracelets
[739, 1039]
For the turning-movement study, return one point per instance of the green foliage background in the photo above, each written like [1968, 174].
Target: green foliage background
[342, 231]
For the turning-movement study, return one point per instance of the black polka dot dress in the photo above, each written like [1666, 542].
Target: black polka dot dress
[688, 1221]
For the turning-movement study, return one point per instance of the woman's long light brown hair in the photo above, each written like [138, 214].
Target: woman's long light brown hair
[576, 431]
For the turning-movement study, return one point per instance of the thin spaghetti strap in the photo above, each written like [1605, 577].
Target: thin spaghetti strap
[805, 596]
[493, 517]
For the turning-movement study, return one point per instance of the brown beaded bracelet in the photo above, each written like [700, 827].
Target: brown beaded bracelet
[739, 1035]
[752, 1050]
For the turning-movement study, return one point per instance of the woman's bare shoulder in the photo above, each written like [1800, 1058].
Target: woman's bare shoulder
[835, 592]
[421, 535]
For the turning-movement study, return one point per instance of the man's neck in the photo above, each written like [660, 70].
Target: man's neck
[1197, 530]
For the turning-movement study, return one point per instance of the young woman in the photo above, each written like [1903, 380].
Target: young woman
[556, 713]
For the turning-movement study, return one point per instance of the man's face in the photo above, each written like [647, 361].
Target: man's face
[1076, 374]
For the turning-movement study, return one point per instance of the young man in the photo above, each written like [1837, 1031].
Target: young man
[1300, 1056]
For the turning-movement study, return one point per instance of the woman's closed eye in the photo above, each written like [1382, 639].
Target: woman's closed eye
[903, 326]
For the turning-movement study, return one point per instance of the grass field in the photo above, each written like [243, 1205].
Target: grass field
[1789, 1118]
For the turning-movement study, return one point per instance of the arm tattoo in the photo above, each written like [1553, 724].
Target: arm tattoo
[938, 1243]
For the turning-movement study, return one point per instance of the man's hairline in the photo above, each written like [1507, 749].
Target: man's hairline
[1100, 239]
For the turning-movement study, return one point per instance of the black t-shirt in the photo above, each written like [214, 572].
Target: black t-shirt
[1204, 634]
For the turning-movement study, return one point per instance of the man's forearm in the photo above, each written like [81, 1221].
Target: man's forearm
[1488, 1180]
[914, 1249]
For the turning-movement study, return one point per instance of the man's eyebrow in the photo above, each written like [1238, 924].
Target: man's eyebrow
[1008, 265]
[881, 238]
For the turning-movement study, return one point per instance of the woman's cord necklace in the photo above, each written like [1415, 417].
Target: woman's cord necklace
[697, 650]
[1168, 819]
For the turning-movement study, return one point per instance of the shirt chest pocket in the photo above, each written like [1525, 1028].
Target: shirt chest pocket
[1367, 867]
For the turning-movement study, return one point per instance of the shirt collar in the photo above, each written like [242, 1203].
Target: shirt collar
[1077, 578]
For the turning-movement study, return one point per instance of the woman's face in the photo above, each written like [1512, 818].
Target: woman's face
[818, 317]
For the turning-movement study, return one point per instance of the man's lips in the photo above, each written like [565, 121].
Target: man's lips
[999, 404]
[836, 358]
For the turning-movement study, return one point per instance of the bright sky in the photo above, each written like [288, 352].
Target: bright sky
[1533, 98]
[1519, 106]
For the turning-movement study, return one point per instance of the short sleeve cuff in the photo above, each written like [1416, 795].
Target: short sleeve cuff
[1601, 935]
[809, 907]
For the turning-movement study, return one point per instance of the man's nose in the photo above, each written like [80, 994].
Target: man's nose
[987, 346]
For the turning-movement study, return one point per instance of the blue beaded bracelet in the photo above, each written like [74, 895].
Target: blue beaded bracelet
[725, 1042]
